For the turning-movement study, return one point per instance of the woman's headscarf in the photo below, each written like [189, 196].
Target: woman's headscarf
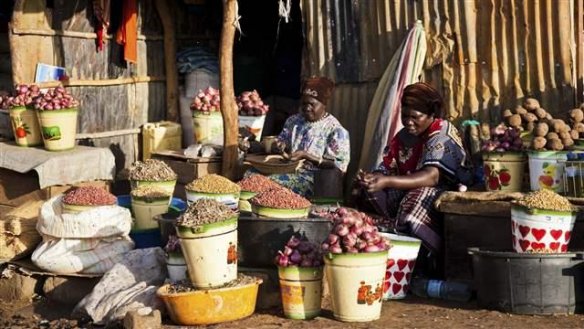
[422, 97]
[320, 88]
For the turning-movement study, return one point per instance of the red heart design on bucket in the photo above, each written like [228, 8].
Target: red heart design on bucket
[411, 264]
[556, 234]
[408, 276]
[386, 286]
[387, 275]
[390, 262]
[396, 288]
[399, 275]
[402, 263]
[537, 246]
[567, 235]
[555, 246]
[524, 244]
[406, 288]
[524, 230]
[538, 234]
[564, 248]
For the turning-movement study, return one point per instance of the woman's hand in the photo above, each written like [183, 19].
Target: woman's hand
[374, 182]
[298, 155]
[278, 147]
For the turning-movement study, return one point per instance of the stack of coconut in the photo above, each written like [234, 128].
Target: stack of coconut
[549, 133]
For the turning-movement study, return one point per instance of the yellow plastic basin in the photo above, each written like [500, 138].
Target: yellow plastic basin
[202, 307]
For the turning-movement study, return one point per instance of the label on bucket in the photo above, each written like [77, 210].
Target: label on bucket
[367, 295]
[292, 295]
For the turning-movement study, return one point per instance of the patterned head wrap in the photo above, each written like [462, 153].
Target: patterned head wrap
[422, 97]
[320, 88]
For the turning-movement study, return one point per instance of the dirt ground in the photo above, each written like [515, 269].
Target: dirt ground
[412, 312]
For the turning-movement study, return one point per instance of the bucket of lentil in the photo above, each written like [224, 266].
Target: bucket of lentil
[542, 221]
[546, 169]
[280, 203]
[252, 185]
[504, 171]
[148, 201]
[152, 172]
[214, 187]
[85, 198]
[208, 239]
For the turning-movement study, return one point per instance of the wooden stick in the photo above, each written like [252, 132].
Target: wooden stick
[105, 82]
[106, 134]
[228, 105]
[168, 21]
[76, 34]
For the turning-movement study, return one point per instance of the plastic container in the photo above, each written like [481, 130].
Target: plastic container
[400, 264]
[229, 199]
[523, 283]
[356, 285]
[25, 126]
[145, 210]
[448, 290]
[267, 212]
[203, 307]
[259, 239]
[546, 169]
[163, 135]
[166, 225]
[244, 197]
[301, 291]
[177, 205]
[504, 171]
[210, 251]
[176, 267]
[208, 127]
[540, 230]
[146, 238]
[58, 128]
[167, 185]
[254, 124]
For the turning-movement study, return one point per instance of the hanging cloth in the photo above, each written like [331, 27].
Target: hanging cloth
[101, 10]
[127, 34]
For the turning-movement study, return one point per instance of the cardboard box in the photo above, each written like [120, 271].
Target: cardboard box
[187, 169]
[17, 188]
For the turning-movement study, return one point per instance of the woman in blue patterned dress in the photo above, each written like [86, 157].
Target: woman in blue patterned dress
[313, 135]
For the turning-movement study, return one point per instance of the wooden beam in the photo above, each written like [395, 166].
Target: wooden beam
[105, 82]
[167, 20]
[228, 105]
[76, 34]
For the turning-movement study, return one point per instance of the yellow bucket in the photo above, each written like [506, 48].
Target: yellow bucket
[145, 210]
[58, 128]
[301, 290]
[208, 127]
[203, 307]
[25, 126]
[504, 171]
[356, 285]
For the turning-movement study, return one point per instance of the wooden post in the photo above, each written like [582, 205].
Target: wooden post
[228, 105]
[167, 20]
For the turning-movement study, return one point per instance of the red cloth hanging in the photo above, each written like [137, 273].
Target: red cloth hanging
[101, 10]
[127, 34]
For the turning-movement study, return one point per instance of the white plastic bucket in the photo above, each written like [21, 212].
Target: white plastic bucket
[400, 264]
[541, 230]
[145, 210]
[229, 199]
[25, 126]
[210, 252]
[546, 169]
[254, 124]
[504, 171]
[208, 127]
[177, 267]
[356, 285]
[58, 128]
[301, 291]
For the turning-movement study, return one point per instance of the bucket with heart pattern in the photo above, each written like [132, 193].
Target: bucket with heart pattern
[536, 230]
[400, 264]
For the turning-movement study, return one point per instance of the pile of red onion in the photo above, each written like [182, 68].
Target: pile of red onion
[299, 252]
[4, 99]
[55, 99]
[207, 100]
[503, 139]
[23, 95]
[250, 104]
[353, 232]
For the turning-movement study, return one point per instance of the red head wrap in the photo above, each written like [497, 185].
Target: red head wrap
[320, 88]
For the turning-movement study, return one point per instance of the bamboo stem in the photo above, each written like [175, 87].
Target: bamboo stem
[228, 106]
[105, 82]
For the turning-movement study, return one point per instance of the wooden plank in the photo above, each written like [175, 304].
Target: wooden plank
[76, 34]
[104, 82]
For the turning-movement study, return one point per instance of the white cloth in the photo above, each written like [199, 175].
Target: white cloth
[129, 285]
[81, 164]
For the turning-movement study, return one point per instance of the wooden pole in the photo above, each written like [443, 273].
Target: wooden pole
[228, 105]
[167, 20]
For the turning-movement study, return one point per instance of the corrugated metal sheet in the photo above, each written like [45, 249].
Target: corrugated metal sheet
[485, 55]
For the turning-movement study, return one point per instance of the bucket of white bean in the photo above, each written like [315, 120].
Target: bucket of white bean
[152, 172]
[542, 222]
[214, 187]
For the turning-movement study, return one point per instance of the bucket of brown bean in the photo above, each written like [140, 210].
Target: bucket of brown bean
[542, 222]
[252, 185]
[152, 172]
[280, 203]
[84, 198]
[214, 187]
